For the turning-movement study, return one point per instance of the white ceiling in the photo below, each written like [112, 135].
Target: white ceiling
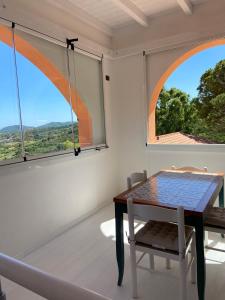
[156, 7]
[104, 10]
[107, 15]
[110, 13]
[152, 7]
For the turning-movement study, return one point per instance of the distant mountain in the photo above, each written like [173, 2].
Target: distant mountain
[54, 125]
[14, 128]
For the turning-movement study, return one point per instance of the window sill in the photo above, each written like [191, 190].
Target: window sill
[187, 148]
[41, 162]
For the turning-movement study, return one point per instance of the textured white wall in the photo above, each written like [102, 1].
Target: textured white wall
[128, 97]
[42, 198]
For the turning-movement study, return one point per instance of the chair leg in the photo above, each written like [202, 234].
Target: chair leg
[206, 238]
[168, 264]
[133, 270]
[152, 262]
[193, 256]
[183, 279]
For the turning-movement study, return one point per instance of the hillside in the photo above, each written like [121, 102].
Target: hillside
[14, 128]
[54, 125]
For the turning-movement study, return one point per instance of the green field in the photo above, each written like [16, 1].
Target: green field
[52, 137]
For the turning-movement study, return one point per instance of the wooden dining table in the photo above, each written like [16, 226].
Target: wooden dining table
[195, 191]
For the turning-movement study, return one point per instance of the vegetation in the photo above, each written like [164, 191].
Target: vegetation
[52, 137]
[203, 116]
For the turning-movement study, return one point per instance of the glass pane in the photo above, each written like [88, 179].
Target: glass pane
[44, 93]
[89, 85]
[10, 138]
[190, 106]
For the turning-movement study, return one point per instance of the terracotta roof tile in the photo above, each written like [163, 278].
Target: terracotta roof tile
[180, 138]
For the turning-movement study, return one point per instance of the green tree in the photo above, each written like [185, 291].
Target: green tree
[212, 84]
[175, 112]
[216, 117]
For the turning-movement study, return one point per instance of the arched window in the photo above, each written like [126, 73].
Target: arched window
[46, 103]
[188, 97]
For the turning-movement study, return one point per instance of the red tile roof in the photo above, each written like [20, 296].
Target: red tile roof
[180, 138]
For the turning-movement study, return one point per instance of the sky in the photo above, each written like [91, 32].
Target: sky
[41, 101]
[187, 76]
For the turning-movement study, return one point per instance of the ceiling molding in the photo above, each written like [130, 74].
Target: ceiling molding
[35, 20]
[76, 12]
[186, 6]
[133, 11]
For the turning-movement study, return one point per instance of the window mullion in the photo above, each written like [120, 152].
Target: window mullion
[102, 82]
[76, 149]
[18, 93]
[70, 96]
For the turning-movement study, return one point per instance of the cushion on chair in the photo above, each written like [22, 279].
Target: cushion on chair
[161, 235]
[215, 217]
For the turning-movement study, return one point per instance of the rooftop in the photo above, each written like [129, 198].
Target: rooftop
[180, 138]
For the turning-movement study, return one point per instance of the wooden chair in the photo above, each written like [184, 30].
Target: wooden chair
[165, 235]
[214, 217]
[215, 222]
[136, 178]
[132, 180]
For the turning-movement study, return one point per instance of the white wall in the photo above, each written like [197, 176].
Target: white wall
[131, 111]
[214, 160]
[42, 198]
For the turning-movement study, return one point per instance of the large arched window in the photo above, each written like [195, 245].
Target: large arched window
[51, 98]
[188, 95]
[45, 115]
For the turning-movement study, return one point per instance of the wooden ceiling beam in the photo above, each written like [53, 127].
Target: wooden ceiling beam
[133, 11]
[186, 6]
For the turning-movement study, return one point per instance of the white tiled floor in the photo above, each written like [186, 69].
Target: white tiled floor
[85, 255]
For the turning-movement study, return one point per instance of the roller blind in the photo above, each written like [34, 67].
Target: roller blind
[44, 89]
[88, 81]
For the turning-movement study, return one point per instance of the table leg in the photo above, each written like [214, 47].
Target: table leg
[221, 201]
[201, 276]
[119, 242]
[221, 197]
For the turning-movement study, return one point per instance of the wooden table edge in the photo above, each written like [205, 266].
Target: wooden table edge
[118, 199]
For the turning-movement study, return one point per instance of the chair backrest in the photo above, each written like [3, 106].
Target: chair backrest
[190, 169]
[155, 213]
[136, 178]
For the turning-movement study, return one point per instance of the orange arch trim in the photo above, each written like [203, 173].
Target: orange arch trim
[162, 80]
[58, 79]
